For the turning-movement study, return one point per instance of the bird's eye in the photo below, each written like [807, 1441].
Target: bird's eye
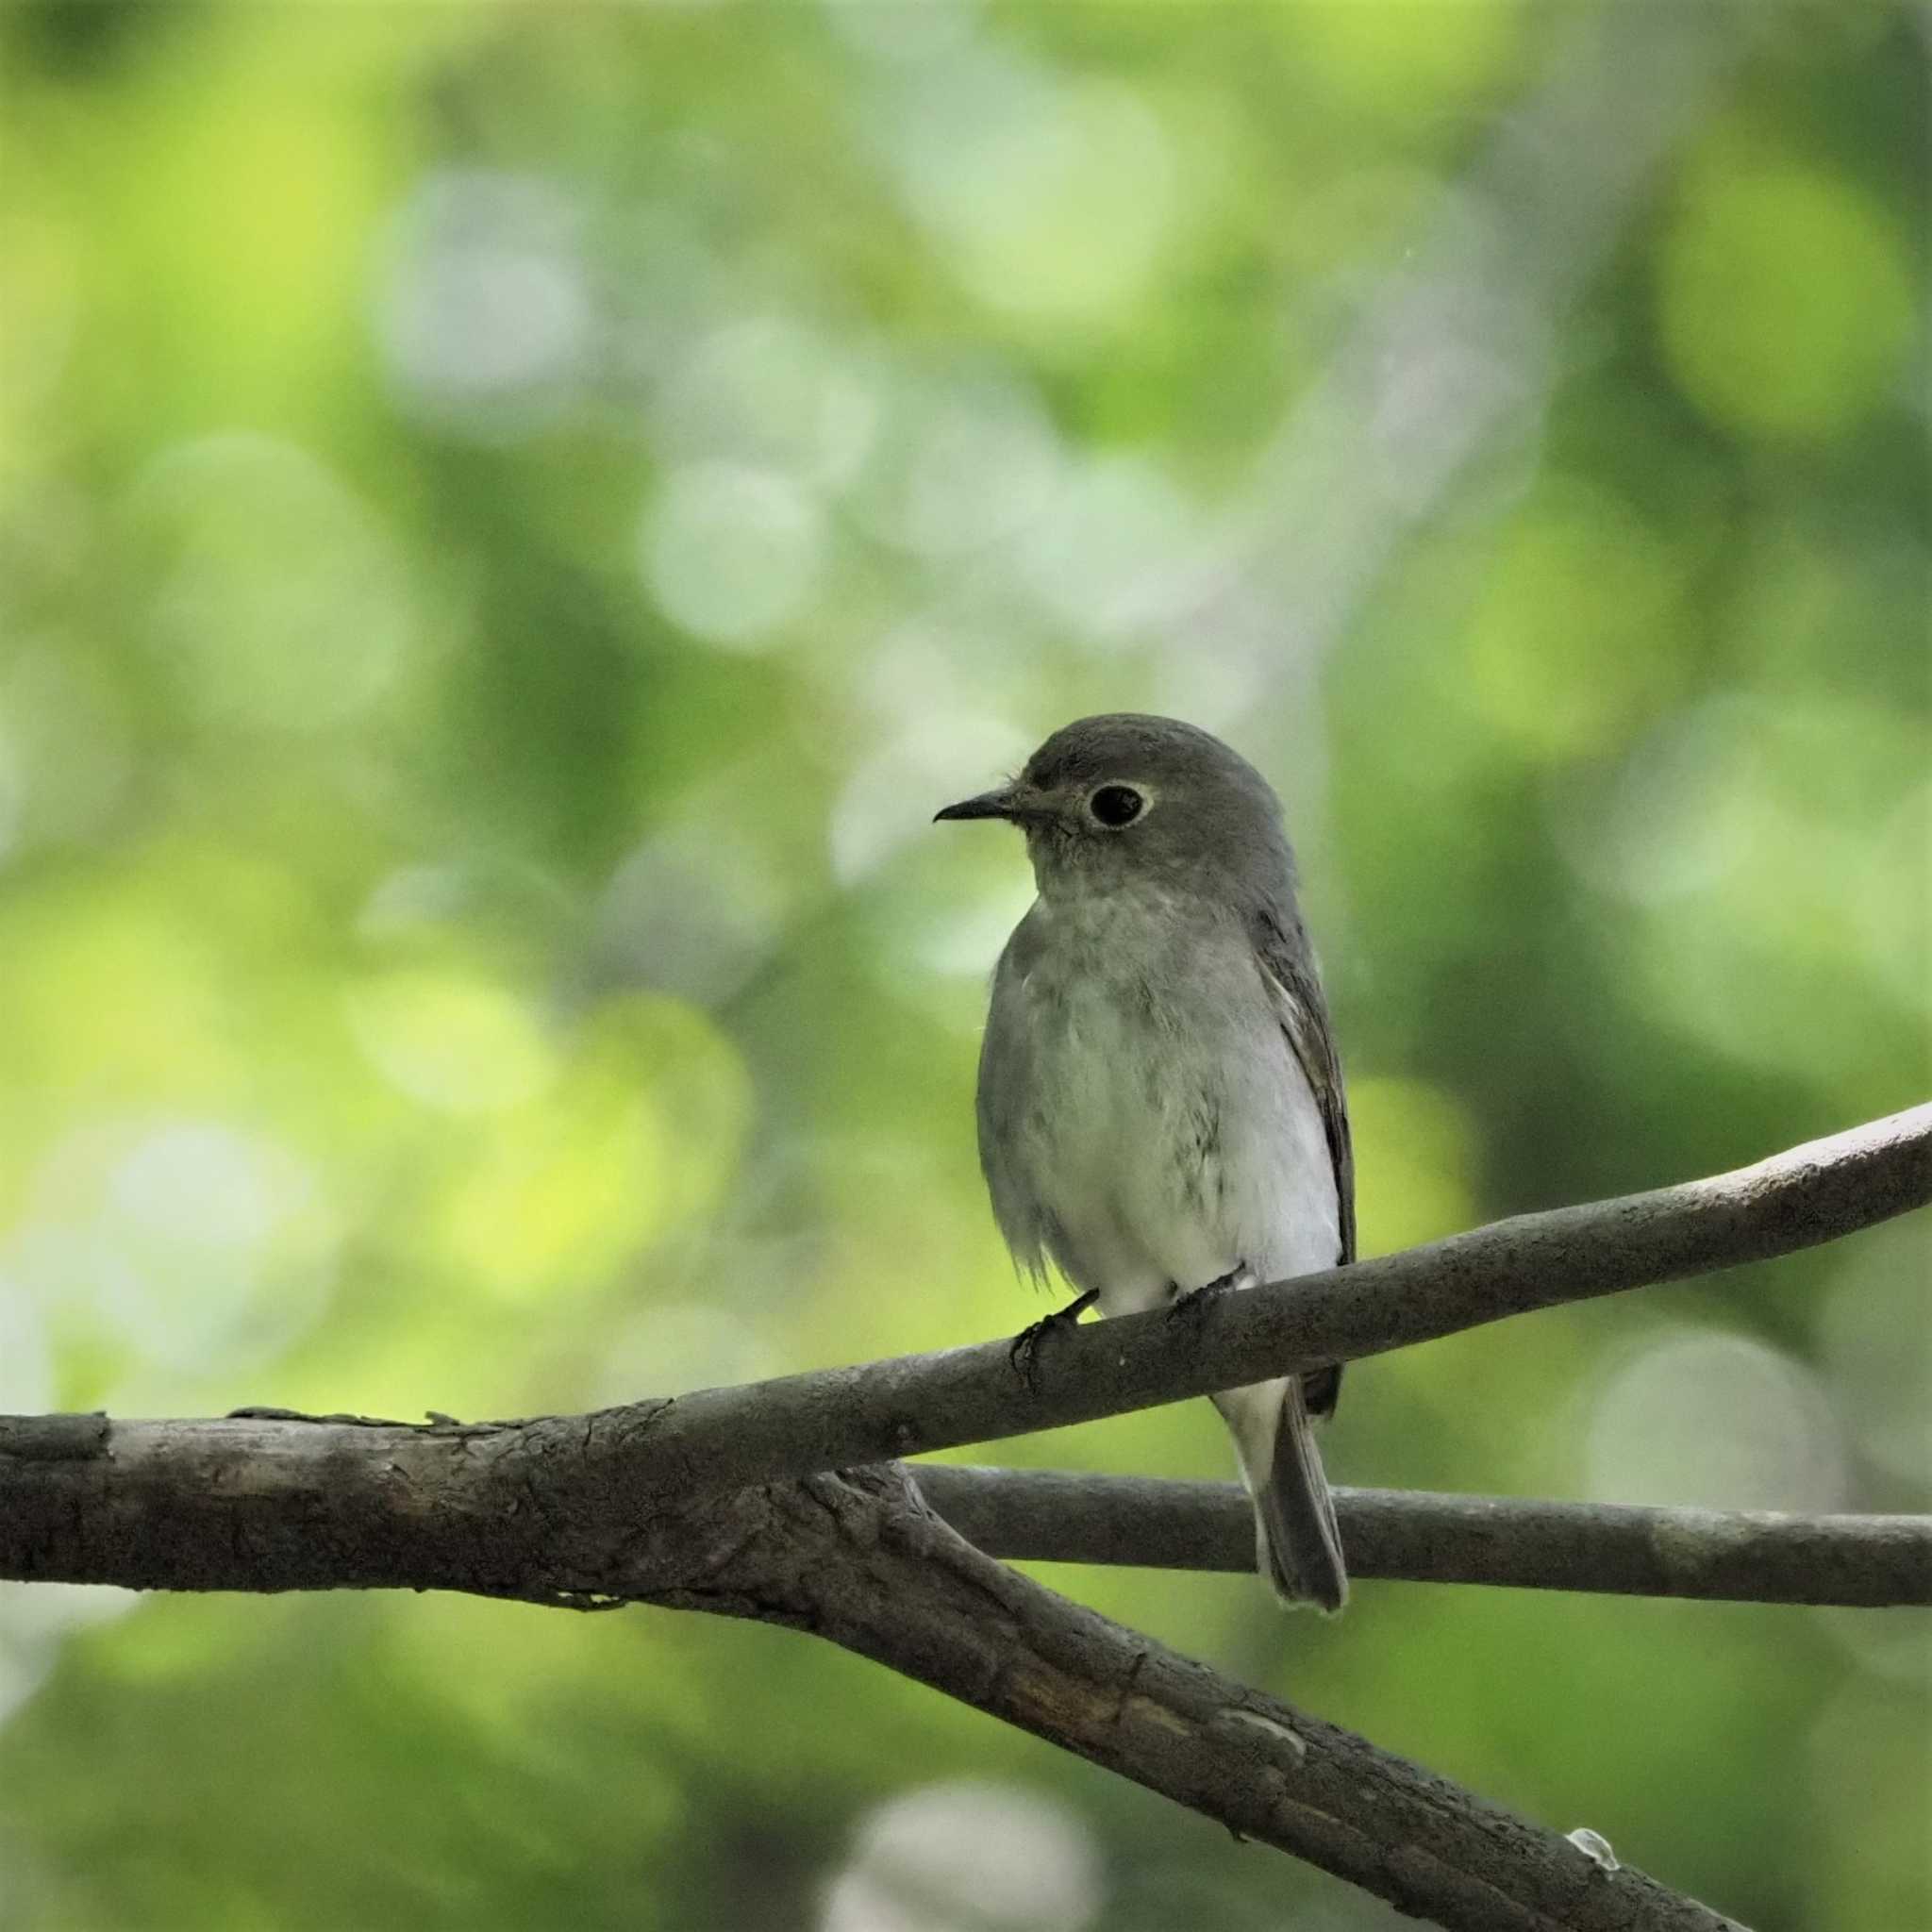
[1114, 805]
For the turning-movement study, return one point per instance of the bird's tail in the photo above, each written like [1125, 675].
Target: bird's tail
[1298, 1545]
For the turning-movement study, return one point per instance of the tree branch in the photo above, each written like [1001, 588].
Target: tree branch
[1735, 1556]
[836, 1418]
[187, 1485]
[665, 1503]
[856, 1557]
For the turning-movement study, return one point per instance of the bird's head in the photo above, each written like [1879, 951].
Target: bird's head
[1112, 801]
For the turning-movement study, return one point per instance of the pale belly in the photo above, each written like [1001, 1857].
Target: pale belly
[1176, 1141]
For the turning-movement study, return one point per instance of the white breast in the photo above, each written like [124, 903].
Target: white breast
[1170, 1135]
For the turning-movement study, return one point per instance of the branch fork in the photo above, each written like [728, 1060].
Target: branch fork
[784, 1502]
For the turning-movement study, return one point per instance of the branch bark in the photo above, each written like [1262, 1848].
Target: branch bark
[1733, 1556]
[856, 1557]
[720, 1502]
[836, 1418]
[144, 1504]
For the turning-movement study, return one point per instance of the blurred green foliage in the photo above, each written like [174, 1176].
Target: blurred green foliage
[513, 517]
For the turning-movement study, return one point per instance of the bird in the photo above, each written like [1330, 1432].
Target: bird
[1161, 1107]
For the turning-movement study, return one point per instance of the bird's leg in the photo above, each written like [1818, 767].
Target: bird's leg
[1191, 1304]
[1026, 1343]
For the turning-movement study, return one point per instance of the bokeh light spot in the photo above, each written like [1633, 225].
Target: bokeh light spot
[693, 910]
[958, 463]
[731, 553]
[1712, 1420]
[1571, 639]
[450, 1040]
[638, 1131]
[1662, 825]
[558, 1192]
[26, 1355]
[1406, 63]
[486, 316]
[1878, 1347]
[764, 390]
[920, 1864]
[1784, 298]
[277, 597]
[890, 798]
[195, 1244]
[1109, 552]
[1055, 201]
[64, 744]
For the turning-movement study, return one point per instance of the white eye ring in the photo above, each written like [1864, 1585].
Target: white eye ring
[1128, 801]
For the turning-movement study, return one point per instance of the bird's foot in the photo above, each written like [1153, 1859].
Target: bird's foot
[1189, 1304]
[1026, 1343]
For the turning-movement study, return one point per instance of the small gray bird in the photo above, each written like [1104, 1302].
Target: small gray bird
[1161, 1104]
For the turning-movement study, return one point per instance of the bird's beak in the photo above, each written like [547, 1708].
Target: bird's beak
[999, 804]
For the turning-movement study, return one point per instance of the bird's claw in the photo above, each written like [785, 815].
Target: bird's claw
[1024, 1352]
[1189, 1304]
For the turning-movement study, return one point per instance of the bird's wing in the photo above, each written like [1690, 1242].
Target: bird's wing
[1287, 968]
[1004, 1103]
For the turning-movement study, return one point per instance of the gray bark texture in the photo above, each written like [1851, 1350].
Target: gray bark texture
[732, 1501]
[1732, 1555]
[837, 1417]
[855, 1557]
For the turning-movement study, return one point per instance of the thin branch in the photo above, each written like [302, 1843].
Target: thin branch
[856, 1557]
[718, 1439]
[837, 1417]
[1735, 1556]
[664, 1503]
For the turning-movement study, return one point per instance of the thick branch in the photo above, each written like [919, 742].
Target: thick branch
[855, 1557]
[1735, 1556]
[169, 1498]
[931, 1605]
[666, 1502]
[835, 1418]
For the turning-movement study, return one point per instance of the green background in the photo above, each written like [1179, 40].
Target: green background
[511, 520]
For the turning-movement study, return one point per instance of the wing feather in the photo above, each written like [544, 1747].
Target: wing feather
[1287, 965]
[1006, 1099]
